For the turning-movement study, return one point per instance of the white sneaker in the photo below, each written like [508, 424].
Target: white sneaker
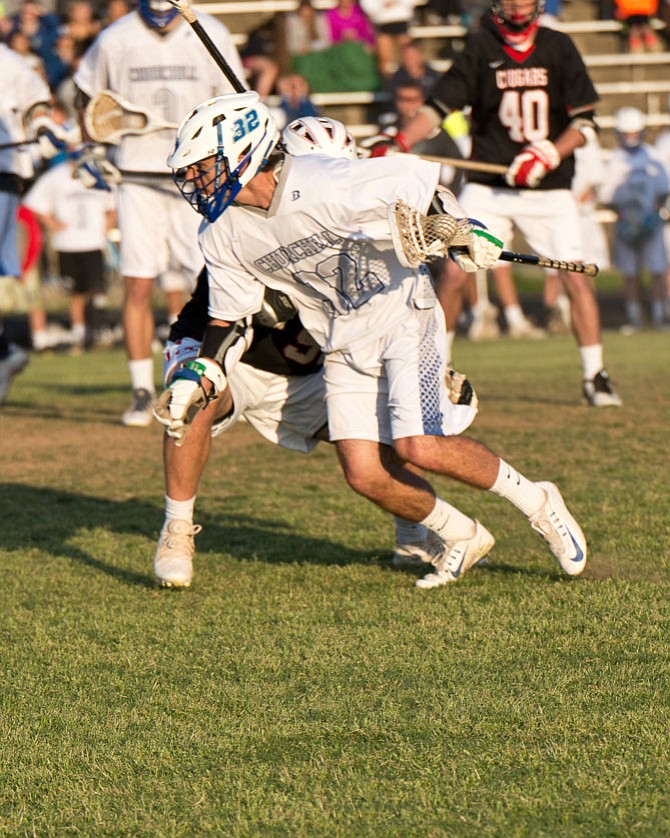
[484, 324]
[410, 555]
[560, 530]
[140, 412]
[173, 562]
[524, 329]
[457, 558]
[599, 391]
[15, 362]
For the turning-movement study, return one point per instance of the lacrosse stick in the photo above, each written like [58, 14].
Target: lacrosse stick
[18, 145]
[109, 117]
[419, 238]
[470, 165]
[185, 10]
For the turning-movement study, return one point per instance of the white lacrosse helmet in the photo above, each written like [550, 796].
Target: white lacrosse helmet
[318, 135]
[629, 124]
[238, 133]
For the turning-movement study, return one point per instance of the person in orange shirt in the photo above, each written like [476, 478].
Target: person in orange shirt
[635, 15]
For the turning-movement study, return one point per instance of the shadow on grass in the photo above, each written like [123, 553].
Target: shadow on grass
[49, 521]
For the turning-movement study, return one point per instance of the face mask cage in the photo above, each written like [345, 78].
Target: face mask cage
[157, 15]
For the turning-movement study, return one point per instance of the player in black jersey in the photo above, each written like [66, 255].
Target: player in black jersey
[532, 104]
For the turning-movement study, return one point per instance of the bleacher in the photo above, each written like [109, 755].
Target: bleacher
[621, 79]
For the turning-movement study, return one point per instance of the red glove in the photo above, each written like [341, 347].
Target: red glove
[383, 144]
[532, 164]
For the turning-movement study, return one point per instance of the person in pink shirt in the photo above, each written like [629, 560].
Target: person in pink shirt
[347, 22]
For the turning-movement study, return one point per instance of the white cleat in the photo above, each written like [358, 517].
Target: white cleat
[140, 412]
[15, 362]
[412, 555]
[173, 562]
[599, 391]
[457, 558]
[560, 530]
[525, 330]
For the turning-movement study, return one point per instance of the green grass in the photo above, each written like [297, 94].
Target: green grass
[303, 688]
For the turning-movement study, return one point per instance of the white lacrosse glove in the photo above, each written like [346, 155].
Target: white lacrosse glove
[481, 250]
[176, 354]
[51, 138]
[93, 169]
[532, 163]
[460, 389]
[178, 406]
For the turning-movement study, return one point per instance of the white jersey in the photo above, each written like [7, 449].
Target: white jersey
[82, 210]
[22, 88]
[335, 259]
[169, 74]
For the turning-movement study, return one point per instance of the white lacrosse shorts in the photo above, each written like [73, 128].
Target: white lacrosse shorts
[285, 410]
[395, 387]
[159, 232]
[549, 220]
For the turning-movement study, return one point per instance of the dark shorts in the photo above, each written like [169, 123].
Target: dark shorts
[83, 271]
[400, 27]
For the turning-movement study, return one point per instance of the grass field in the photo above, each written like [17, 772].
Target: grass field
[301, 687]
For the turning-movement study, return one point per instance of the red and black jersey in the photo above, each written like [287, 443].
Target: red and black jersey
[517, 98]
[288, 350]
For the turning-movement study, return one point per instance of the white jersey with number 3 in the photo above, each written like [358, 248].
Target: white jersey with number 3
[168, 73]
[326, 242]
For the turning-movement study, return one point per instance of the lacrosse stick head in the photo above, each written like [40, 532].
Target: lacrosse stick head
[419, 238]
[318, 135]
[157, 14]
[220, 147]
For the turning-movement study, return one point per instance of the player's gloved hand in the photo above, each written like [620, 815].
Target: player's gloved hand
[383, 145]
[93, 169]
[460, 389]
[532, 164]
[176, 354]
[481, 250]
[178, 406]
[51, 137]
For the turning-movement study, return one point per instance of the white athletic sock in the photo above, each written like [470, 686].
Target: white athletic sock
[142, 374]
[78, 332]
[657, 312]
[514, 315]
[449, 346]
[634, 313]
[517, 489]
[181, 510]
[447, 522]
[592, 360]
[408, 532]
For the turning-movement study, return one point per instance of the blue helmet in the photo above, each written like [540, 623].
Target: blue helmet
[157, 13]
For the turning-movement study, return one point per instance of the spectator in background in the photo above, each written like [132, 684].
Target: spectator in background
[391, 20]
[407, 101]
[259, 57]
[663, 152]
[349, 64]
[306, 30]
[636, 186]
[115, 10]
[635, 16]
[348, 22]
[20, 44]
[414, 68]
[81, 24]
[42, 29]
[294, 100]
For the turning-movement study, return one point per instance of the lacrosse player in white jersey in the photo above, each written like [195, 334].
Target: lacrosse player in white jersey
[277, 387]
[154, 60]
[25, 106]
[347, 240]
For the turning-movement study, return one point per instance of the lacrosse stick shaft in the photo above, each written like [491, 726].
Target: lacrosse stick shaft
[471, 165]
[589, 268]
[185, 10]
[17, 145]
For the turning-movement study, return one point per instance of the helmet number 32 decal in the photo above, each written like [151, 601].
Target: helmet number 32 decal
[248, 123]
